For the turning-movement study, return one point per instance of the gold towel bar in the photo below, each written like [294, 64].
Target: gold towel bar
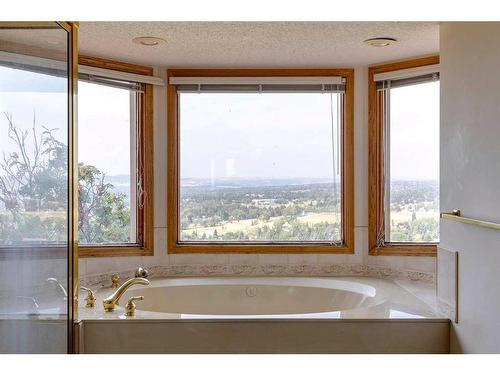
[457, 216]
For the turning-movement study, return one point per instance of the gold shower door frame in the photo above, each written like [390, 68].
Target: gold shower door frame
[72, 248]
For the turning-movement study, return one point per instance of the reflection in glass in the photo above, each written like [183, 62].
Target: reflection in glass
[34, 158]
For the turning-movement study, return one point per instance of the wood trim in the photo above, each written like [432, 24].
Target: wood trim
[114, 251]
[347, 166]
[376, 164]
[145, 155]
[404, 250]
[259, 72]
[257, 249]
[98, 62]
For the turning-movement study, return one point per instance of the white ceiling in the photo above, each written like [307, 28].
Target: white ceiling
[258, 44]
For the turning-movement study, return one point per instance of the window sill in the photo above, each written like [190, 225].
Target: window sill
[113, 251]
[425, 250]
[259, 249]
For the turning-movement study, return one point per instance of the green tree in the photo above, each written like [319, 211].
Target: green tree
[33, 193]
[102, 214]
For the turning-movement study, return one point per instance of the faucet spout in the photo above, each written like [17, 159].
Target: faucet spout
[111, 302]
[59, 286]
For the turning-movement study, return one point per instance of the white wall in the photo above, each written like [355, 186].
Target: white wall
[470, 175]
[424, 264]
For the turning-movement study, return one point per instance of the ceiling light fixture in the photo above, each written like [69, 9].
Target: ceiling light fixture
[149, 41]
[380, 42]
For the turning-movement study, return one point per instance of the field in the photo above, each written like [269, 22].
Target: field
[249, 210]
[296, 211]
[251, 225]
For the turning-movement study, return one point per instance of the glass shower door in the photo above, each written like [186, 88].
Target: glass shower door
[37, 240]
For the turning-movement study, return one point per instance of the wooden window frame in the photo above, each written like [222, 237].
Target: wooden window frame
[173, 244]
[145, 235]
[145, 230]
[376, 183]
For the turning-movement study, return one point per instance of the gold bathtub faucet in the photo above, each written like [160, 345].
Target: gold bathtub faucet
[130, 306]
[90, 299]
[111, 302]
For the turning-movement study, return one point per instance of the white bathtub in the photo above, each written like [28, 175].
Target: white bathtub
[253, 296]
[269, 297]
[265, 315]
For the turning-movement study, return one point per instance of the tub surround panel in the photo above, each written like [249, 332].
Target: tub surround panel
[446, 282]
[448, 311]
[28, 336]
[198, 259]
[421, 289]
[243, 259]
[359, 336]
[303, 259]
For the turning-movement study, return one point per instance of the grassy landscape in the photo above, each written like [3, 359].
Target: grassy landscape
[414, 211]
[296, 211]
[259, 210]
[251, 210]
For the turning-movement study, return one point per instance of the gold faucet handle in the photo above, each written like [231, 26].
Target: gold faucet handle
[90, 300]
[130, 306]
[115, 281]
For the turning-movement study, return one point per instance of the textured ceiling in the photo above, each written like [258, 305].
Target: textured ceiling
[258, 44]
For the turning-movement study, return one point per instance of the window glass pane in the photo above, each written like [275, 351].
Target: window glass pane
[260, 167]
[33, 158]
[107, 171]
[35, 244]
[414, 164]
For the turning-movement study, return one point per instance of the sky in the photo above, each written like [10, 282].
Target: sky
[414, 118]
[27, 96]
[252, 135]
[289, 135]
[103, 129]
[226, 135]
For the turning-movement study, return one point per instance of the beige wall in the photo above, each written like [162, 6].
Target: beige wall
[470, 176]
[95, 266]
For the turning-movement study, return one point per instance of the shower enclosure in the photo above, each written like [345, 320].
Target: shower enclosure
[38, 252]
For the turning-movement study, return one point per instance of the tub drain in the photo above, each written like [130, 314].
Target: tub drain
[251, 291]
